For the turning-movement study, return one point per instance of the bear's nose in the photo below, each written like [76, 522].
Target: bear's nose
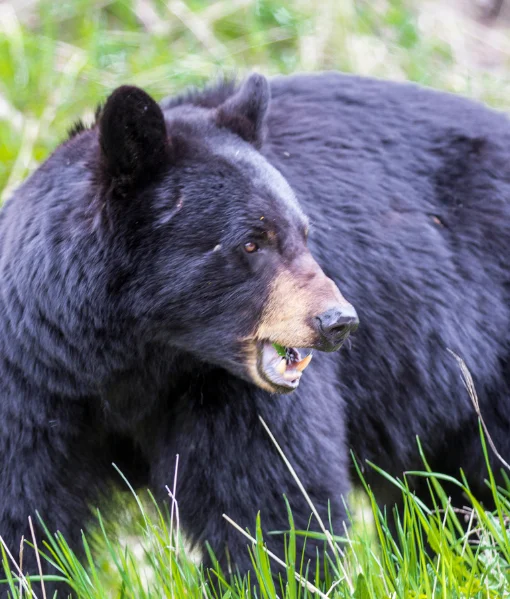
[336, 324]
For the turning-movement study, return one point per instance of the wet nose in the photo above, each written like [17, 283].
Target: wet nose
[336, 324]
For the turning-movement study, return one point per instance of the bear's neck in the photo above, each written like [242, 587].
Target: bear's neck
[59, 326]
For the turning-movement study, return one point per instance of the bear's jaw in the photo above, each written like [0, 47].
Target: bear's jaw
[282, 372]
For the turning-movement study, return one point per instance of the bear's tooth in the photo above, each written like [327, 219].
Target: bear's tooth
[291, 375]
[302, 364]
[282, 366]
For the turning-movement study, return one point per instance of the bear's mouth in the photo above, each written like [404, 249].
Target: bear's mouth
[282, 368]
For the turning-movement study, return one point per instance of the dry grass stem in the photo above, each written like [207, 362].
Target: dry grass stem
[37, 556]
[470, 386]
[312, 588]
[21, 576]
[334, 548]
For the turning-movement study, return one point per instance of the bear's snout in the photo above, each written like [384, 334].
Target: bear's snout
[306, 309]
[335, 325]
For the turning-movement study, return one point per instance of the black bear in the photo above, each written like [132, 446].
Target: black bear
[164, 273]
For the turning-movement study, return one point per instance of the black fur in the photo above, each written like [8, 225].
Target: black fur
[211, 95]
[124, 290]
[78, 127]
[245, 112]
[133, 139]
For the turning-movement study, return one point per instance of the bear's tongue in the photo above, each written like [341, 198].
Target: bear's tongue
[284, 370]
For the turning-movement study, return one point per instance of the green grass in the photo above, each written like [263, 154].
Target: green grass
[469, 559]
[57, 61]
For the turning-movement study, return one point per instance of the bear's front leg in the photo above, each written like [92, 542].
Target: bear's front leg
[54, 462]
[228, 464]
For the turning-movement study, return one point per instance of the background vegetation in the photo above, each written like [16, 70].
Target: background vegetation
[59, 59]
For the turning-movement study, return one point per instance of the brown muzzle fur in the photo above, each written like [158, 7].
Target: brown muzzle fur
[299, 293]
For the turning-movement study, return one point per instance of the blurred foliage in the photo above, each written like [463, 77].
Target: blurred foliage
[59, 59]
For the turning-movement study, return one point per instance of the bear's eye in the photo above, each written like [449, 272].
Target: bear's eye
[250, 247]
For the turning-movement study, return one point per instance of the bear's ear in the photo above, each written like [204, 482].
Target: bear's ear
[132, 136]
[245, 112]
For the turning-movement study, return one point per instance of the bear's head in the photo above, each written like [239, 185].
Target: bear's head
[218, 261]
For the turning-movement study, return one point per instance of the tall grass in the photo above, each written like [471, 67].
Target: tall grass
[438, 551]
